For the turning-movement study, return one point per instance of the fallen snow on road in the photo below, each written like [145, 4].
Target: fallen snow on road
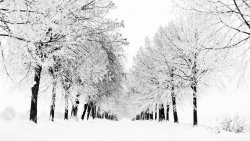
[102, 130]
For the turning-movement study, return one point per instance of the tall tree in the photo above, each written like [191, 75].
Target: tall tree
[191, 61]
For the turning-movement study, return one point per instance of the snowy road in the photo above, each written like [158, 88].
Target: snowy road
[110, 131]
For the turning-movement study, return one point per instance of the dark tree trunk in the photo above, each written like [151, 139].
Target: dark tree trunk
[34, 91]
[96, 111]
[89, 109]
[75, 107]
[194, 88]
[93, 111]
[106, 115]
[195, 120]
[84, 111]
[156, 112]
[167, 112]
[161, 112]
[174, 106]
[151, 116]
[173, 98]
[147, 115]
[66, 112]
[74, 111]
[53, 101]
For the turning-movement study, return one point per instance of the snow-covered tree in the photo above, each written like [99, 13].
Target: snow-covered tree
[55, 34]
[177, 60]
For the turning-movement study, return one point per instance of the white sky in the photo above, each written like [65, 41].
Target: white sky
[142, 18]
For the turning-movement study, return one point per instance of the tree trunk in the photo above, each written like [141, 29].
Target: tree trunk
[93, 111]
[167, 112]
[106, 115]
[74, 110]
[34, 91]
[161, 112]
[75, 107]
[174, 106]
[89, 109]
[53, 101]
[194, 88]
[84, 111]
[173, 96]
[195, 120]
[66, 112]
[153, 111]
[96, 111]
[147, 114]
[152, 116]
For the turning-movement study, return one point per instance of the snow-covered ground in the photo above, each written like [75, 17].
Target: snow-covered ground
[212, 104]
[210, 107]
[102, 130]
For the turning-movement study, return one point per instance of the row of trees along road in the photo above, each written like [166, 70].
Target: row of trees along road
[183, 54]
[72, 43]
[174, 63]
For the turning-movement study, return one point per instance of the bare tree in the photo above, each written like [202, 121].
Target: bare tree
[230, 19]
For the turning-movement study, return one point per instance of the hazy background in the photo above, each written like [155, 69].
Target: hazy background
[142, 18]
